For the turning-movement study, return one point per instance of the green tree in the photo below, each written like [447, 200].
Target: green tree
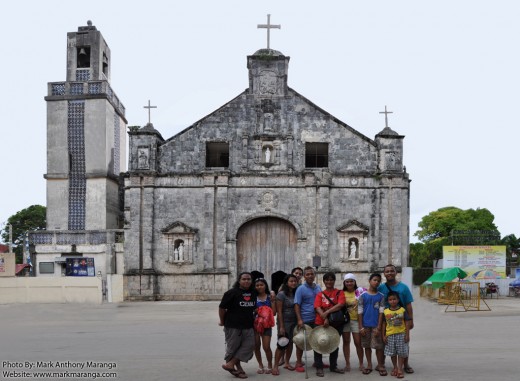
[436, 227]
[31, 218]
[512, 248]
[419, 255]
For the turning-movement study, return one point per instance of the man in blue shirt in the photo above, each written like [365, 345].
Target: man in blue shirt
[405, 298]
[304, 307]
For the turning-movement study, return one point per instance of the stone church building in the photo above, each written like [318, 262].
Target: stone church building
[267, 182]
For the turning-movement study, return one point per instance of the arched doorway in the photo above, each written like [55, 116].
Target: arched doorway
[266, 244]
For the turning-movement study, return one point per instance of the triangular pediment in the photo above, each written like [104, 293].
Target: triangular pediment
[179, 227]
[353, 226]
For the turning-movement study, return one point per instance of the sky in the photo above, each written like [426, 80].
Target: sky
[448, 70]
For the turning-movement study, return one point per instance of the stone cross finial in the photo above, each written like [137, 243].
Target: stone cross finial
[149, 107]
[268, 26]
[386, 115]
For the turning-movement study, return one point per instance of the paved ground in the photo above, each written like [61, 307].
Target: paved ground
[181, 341]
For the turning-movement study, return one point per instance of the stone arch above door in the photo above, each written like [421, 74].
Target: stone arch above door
[296, 225]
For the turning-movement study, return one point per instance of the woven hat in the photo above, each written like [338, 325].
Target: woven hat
[298, 337]
[324, 340]
[282, 341]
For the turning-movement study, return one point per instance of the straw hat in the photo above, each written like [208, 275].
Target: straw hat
[298, 337]
[324, 340]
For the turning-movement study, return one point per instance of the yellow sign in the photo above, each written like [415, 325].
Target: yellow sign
[480, 262]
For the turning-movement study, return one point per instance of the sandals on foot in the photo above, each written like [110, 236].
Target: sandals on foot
[268, 371]
[275, 372]
[382, 372]
[233, 371]
[408, 369]
[260, 371]
[337, 370]
[367, 371]
[241, 375]
[319, 372]
[289, 367]
[399, 375]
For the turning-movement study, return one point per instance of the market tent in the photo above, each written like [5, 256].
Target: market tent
[438, 279]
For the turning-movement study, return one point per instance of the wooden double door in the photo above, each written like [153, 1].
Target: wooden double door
[268, 245]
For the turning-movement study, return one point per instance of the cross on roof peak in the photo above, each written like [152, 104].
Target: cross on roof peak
[386, 115]
[149, 107]
[268, 26]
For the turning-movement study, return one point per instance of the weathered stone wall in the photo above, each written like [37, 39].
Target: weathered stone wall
[360, 196]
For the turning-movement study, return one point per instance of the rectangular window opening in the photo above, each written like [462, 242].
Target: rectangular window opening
[217, 154]
[46, 267]
[316, 155]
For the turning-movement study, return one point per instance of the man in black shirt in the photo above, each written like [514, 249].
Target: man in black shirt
[236, 315]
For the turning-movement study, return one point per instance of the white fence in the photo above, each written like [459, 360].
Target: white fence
[51, 290]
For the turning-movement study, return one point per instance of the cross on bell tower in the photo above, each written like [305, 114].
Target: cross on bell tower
[386, 115]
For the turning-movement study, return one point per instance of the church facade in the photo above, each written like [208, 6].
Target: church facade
[267, 182]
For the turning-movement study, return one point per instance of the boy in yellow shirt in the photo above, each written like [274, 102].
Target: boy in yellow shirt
[395, 334]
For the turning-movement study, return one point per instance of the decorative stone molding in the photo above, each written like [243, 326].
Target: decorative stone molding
[353, 241]
[180, 240]
[268, 200]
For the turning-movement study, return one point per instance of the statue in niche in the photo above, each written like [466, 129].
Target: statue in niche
[175, 254]
[267, 155]
[142, 158]
[268, 122]
[353, 250]
[181, 251]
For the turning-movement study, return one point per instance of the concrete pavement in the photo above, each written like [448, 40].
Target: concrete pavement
[182, 341]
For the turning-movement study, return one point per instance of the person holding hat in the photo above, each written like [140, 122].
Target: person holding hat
[328, 301]
[286, 322]
[352, 293]
[236, 315]
[304, 307]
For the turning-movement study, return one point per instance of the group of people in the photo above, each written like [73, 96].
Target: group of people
[380, 317]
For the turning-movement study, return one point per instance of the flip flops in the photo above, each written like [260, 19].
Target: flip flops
[382, 372]
[233, 371]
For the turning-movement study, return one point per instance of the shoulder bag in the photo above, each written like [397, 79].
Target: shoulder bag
[339, 318]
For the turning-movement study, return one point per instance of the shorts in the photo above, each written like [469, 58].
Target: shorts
[352, 326]
[240, 343]
[396, 346]
[370, 340]
[267, 332]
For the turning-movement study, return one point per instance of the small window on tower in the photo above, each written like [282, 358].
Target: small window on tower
[316, 155]
[105, 64]
[83, 58]
[217, 154]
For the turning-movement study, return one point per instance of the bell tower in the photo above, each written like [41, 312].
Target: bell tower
[86, 139]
